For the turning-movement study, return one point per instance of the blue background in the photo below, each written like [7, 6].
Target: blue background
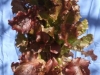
[90, 9]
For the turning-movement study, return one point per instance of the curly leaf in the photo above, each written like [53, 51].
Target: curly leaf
[76, 67]
[79, 44]
[82, 27]
[23, 21]
[90, 53]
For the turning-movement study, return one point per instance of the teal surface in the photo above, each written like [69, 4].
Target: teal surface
[89, 9]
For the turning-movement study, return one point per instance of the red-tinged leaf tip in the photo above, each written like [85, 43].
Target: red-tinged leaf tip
[48, 65]
[91, 54]
[55, 62]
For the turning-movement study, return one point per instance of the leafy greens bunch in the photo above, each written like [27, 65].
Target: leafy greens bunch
[47, 31]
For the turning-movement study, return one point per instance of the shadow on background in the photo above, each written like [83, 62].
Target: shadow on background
[8, 51]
